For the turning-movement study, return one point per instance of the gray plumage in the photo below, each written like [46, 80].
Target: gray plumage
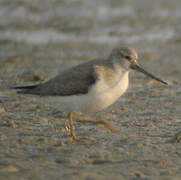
[74, 81]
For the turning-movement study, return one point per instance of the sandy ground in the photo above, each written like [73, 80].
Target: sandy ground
[39, 40]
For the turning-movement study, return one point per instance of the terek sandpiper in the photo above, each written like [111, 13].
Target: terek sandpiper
[91, 86]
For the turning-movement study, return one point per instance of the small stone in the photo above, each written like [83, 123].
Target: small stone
[9, 123]
[138, 174]
[9, 169]
[2, 109]
[176, 138]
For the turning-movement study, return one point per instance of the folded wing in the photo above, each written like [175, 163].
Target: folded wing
[74, 81]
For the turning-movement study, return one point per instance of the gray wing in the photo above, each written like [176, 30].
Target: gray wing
[74, 81]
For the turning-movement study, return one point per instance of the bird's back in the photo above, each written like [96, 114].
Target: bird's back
[76, 80]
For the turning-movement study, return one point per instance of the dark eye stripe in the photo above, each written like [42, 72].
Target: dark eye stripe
[128, 57]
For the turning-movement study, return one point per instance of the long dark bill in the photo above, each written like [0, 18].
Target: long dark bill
[140, 69]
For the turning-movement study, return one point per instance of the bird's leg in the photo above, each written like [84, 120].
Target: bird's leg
[72, 132]
[107, 124]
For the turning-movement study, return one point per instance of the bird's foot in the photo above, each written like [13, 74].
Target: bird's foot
[74, 138]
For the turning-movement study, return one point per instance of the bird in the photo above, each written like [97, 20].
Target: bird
[91, 86]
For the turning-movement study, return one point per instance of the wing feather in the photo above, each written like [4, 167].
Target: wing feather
[74, 81]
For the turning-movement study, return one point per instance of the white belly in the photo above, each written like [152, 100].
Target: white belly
[100, 96]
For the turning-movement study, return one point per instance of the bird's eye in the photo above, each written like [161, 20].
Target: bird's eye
[128, 57]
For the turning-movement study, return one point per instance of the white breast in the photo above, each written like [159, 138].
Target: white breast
[106, 96]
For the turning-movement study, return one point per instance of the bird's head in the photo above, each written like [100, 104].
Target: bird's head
[126, 58]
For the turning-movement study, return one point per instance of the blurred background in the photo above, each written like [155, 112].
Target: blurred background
[39, 38]
[46, 34]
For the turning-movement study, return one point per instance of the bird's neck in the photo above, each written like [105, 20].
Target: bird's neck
[119, 68]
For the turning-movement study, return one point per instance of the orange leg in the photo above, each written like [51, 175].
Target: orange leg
[107, 124]
[72, 132]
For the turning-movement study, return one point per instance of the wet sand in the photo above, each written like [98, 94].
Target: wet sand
[39, 40]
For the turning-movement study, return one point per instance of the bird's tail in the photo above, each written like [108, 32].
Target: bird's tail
[24, 89]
